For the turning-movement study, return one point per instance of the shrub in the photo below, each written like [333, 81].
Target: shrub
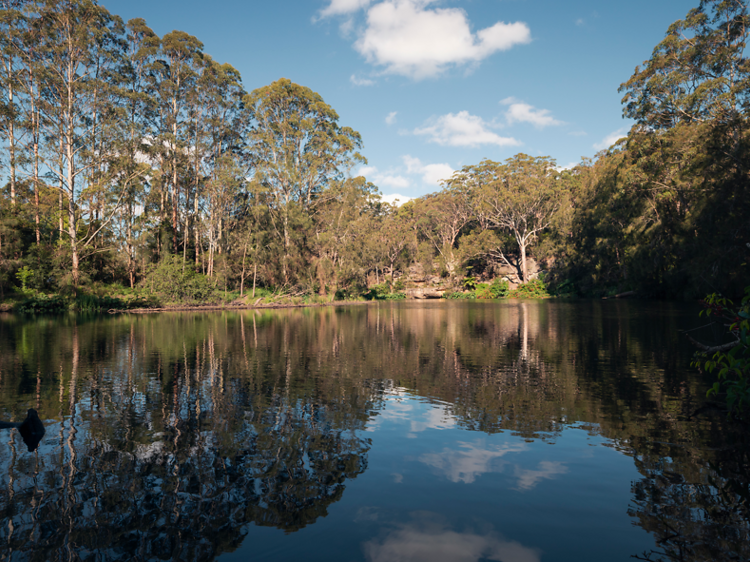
[42, 304]
[459, 296]
[470, 283]
[177, 282]
[534, 289]
[499, 289]
[382, 292]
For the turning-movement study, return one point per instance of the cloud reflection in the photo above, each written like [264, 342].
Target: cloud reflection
[471, 461]
[429, 540]
[528, 479]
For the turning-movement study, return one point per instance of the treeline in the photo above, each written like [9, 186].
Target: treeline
[137, 160]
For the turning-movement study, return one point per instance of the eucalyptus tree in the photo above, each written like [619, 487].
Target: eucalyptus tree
[80, 54]
[396, 238]
[295, 148]
[441, 219]
[12, 26]
[689, 149]
[131, 157]
[175, 73]
[520, 196]
[216, 131]
[30, 84]
[698, 73]
[344, 228]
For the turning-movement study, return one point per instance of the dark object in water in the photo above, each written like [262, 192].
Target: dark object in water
[31, 429]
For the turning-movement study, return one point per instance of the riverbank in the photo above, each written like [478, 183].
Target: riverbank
[214, 308]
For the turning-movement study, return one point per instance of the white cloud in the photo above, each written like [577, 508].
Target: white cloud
[430, 540]
[519, 112]
[462, 129]
[580, 21]
[384, 179]
[431, 174]
[391, 118]
[578, 133]
[395, 199]
[360, 81]
[611, 139]
[407, 38]
[341, 7]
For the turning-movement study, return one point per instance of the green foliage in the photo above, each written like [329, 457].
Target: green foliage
[458, 295]
[732, 366]
[565, 288]
[470, 283]
[534, 289]
[42, 304]
[23, 276]
[499, 288]
[177, 282]
[383, 292]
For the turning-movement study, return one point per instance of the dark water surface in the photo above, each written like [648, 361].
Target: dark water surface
[513, 431]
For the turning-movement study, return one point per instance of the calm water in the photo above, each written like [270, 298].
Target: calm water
[515, 431]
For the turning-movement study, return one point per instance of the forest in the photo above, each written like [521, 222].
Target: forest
[138, 168]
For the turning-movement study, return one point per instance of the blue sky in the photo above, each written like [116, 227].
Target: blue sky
[433, 85]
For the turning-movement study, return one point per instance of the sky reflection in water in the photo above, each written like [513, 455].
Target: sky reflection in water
[518, 432]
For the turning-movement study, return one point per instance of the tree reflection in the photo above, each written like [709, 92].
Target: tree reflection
[699, 514]
[167, 435]
[155, 456]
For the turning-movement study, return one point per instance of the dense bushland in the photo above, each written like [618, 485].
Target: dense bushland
[147, 168]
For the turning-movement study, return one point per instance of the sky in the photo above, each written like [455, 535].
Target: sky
[434, 85]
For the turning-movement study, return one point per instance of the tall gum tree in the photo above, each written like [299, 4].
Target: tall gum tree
[80, 50]
[134, 149]
[177, 72]
[217, 133]
[689, 147]
[440, 219]
[296, 148]
[520, 197]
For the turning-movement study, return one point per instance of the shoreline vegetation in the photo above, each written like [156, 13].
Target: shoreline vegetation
[147, 175]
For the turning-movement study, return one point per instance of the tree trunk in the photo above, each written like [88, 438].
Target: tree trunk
[524, 272]
[61, 187]
[242, 276]
[72, 232]
[36, 191]
[11, 138]
[131, 268]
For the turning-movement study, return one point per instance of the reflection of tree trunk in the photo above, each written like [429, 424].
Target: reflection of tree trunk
[70, 442]
[524, 332]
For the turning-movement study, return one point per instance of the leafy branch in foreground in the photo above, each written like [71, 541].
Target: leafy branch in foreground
[730, 361]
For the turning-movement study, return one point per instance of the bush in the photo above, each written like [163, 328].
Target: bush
[459, 296]
[174, 284]
[470, 283]
[496, 290]
[42, 304]
[383, 292]
[534, 289]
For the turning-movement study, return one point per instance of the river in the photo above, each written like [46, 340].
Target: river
[517, 431]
